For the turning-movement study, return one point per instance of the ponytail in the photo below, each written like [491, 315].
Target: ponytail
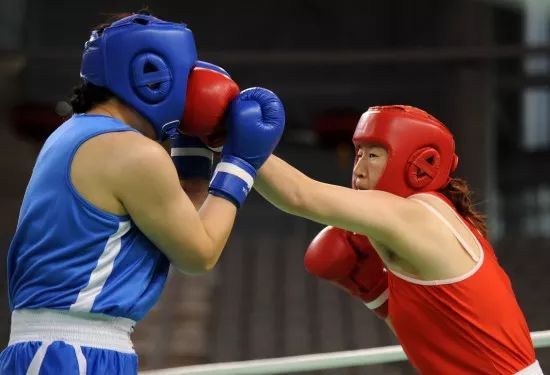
[459, 193]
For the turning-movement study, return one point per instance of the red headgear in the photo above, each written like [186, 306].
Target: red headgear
[421, 150]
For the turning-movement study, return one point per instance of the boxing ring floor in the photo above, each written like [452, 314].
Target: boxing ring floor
[323, 361]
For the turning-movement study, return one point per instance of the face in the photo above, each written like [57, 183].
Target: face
[370, 163]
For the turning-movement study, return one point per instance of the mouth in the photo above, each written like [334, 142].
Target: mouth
[359, 184]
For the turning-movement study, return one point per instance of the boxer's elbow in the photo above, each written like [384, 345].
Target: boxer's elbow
[197, 259]
[196, 267]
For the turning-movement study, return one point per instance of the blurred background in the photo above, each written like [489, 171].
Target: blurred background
[480, 66]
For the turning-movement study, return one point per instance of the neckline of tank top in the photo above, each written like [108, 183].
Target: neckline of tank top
[451, 280]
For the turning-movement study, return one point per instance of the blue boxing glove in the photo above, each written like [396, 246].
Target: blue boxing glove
[191, 157]
[256, 121]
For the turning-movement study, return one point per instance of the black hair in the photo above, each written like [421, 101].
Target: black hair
[87, 95]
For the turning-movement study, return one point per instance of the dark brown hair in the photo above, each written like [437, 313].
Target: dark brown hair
[87, 95]
[459, 193]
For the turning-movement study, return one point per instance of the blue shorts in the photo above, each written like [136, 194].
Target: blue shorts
[45, 341]
[61, 358]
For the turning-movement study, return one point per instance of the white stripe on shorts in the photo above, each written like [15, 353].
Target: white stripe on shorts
[80, 359]
[36, 363]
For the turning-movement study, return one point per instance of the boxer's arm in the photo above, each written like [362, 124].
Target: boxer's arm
[292, 191]
[146, 183]
[398, 223]
[149, 189]
[350, 262]
[193, 162]
[196, 190]
[210, 89]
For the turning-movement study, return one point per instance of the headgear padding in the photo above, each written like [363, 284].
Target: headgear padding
[145, 62]
[421, 150]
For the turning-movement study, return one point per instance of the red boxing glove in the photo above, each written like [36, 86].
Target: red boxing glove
[209, 92]
[350, 261]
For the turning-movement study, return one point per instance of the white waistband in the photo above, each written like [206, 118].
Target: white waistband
[84, 329]
[533, 369]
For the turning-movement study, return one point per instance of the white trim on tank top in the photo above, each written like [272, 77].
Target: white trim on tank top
[460, 239]
[86, 298]
[532, 369]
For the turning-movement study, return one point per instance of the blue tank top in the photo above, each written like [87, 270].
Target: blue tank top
[68, 254]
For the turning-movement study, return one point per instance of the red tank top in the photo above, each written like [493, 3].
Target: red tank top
[467, 325]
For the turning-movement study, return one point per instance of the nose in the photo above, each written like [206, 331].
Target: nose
[358, 169]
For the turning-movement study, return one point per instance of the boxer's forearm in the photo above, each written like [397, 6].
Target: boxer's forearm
[282, 185]
[196, 190]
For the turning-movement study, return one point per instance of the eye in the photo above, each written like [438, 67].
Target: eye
[372, 155]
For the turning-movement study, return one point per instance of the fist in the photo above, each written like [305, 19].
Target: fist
[257, 120]
[349, 261]
[209, 93]
[330, 255]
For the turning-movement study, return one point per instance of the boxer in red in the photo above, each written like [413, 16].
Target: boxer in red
[407, 242]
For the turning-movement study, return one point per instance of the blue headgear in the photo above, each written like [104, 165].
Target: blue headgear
[145, 62]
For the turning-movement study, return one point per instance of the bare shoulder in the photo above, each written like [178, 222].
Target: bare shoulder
[118, 147]
[126, 153]
[114, 160]
[448, 217]
[429, 198]
[436, 207]
[401, 216]
[137, 159]
[429, 245]
[129, 147]
[415, 236]
[109, 162]
[136, 150]
[430, 209]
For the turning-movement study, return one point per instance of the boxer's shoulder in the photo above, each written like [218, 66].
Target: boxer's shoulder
[105, 163]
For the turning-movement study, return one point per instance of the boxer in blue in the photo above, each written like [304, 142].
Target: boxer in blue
[104, 214]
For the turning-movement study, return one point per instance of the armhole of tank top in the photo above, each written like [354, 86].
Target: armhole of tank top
[479, 260]
[73, 189]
